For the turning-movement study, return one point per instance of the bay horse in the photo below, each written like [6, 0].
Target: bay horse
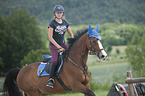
[74, 73]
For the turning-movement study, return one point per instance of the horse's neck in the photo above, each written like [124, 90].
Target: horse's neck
[79, 50]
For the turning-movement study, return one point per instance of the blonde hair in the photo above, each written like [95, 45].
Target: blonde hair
[63, 17]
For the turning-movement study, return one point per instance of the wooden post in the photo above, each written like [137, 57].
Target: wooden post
[130, 86]
[135, 80]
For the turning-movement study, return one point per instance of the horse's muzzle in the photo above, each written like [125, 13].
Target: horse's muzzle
[102, 55]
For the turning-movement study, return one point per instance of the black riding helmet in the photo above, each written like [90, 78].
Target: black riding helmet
[58, 8]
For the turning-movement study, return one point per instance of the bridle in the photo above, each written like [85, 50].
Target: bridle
[85, 67]
[94, 49]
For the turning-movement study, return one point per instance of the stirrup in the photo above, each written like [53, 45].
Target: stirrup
[50, 83]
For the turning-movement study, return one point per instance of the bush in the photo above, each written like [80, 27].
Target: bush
[34, 56]
[97, 85]
[136, 55]
[117, 51]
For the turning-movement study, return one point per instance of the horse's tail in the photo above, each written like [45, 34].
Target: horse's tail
[10, 83]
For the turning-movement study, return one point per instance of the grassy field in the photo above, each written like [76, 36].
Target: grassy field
[104, 73]
[97, 93]
[1, 82]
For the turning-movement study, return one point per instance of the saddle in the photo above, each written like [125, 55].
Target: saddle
[43, 69]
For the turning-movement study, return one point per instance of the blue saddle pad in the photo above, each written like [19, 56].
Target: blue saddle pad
[41, 69]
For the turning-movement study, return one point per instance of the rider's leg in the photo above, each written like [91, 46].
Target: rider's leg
[54, 54]
[51, 81]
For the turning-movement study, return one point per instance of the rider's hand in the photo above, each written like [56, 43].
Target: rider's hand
[62, 49]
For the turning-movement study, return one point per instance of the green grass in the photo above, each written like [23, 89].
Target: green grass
[104, 72]
[1, 83]
[97, 93]
[121, 49]
[114, 66]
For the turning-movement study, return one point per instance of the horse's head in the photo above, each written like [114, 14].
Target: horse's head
[95, 43]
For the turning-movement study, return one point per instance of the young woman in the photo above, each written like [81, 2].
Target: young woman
[57, 29]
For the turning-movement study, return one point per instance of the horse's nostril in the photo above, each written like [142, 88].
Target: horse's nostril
[103, 56]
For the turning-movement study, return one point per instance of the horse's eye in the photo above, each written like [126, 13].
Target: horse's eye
[94, 41]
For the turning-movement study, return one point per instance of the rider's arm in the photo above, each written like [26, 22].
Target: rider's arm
[70, 32]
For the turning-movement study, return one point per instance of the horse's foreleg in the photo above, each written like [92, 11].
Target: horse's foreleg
[83, 89]
[89, 90]
[23, 94]
[88, 85]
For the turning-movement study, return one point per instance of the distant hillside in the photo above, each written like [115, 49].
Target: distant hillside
[81, 11]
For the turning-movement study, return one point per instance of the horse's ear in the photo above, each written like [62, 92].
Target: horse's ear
[97, 28]
[90, 29]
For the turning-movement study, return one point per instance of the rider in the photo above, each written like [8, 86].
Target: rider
[57, 28]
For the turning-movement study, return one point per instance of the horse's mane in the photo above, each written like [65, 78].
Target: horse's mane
[71, 41]
[79, 33]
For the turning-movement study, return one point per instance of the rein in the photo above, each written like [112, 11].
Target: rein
[85, 68]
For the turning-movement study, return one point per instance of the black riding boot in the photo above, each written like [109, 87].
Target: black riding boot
[51, 81]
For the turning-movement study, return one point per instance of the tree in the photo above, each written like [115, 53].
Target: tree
[2, 39]
[34, 56]
[117, 51]
[21, 36]
[109, 49]
[81, 12]
[127, 31]
[136, 54]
